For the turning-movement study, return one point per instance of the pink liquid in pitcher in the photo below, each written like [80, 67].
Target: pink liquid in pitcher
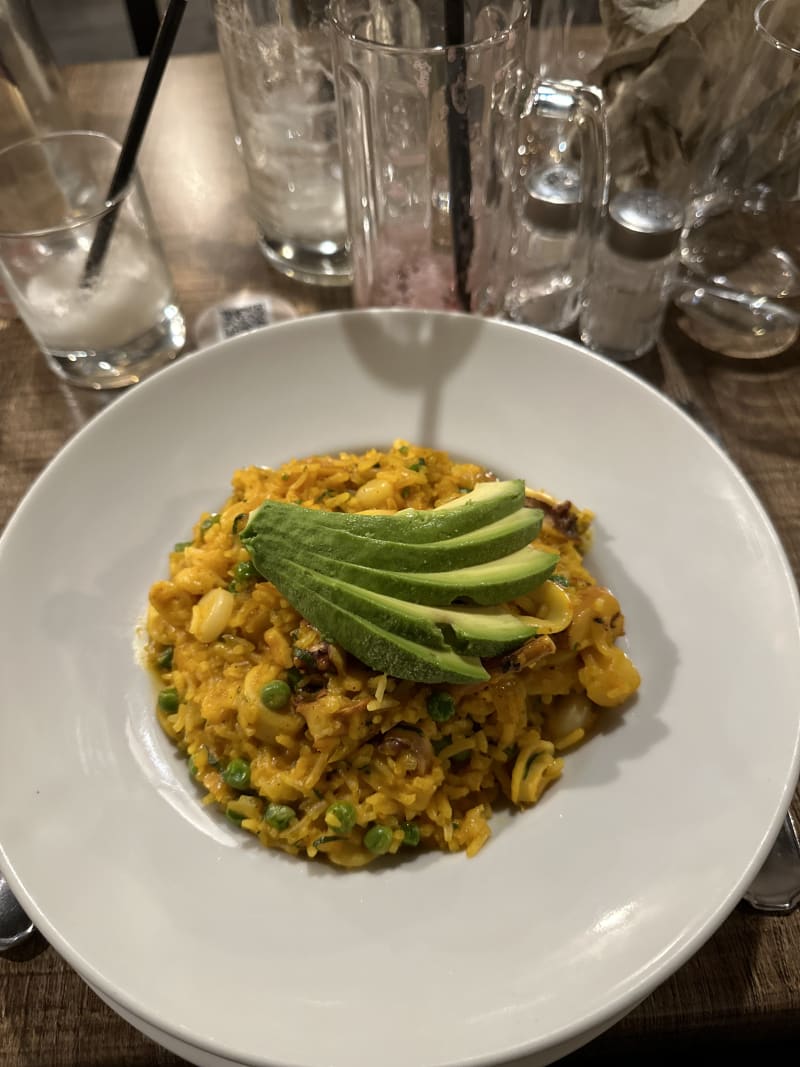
[408, 273]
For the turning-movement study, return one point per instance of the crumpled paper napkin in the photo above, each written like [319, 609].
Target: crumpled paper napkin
[679, 76]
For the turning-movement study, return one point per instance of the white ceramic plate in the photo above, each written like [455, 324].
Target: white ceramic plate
[575, 910]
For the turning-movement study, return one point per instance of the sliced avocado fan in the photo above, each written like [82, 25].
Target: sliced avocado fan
[385, 587]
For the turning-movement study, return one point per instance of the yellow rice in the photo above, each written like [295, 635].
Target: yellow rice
[351, 734]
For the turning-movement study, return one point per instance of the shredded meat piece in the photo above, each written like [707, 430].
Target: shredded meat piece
[308, 690]
[500, 667]
[313, 660]
[563, 515]
[400, 740]
[565, 520]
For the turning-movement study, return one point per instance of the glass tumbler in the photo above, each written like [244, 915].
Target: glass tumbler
[87, 275]
[33, 99]
[277, 60]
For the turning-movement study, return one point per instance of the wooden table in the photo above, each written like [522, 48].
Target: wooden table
[743, 987]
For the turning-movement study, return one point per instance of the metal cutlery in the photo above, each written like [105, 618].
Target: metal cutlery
[776, 888]
[15, 926]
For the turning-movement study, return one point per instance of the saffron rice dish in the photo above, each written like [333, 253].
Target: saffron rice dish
[306, 747]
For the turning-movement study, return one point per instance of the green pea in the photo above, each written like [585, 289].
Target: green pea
[341, 817]
[378, 839]
[164, 658]
[168, 700]
[237, 774]
[245, 572]
[441, 706]
[275, 695]
[411, 834]
[235, 817]
[279, 816]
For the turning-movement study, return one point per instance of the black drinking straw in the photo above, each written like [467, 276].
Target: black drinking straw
[156, 64]
[458, 155]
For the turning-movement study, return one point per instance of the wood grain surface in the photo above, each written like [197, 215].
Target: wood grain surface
[742, 989]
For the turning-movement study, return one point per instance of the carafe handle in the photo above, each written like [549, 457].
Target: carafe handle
[573, 103]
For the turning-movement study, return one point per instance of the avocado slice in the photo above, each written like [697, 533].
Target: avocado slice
[298, 525]
[471, 631]
[487, 502]
[375, 646]
[384, 590]
[494, 582]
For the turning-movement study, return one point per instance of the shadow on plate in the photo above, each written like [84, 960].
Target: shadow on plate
[414, 353]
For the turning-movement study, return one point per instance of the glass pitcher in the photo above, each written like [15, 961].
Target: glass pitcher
[559, 189]
[561, 180]
[431, 97]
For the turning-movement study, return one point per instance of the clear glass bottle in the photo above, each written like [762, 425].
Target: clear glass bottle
[632, 273]
[549, 257]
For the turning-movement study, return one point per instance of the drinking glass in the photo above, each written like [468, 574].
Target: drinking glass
[103, 322]
[428, 130]
[430, 97]
[33, 99]
[32, 94]
[741, 248]
[277, 60]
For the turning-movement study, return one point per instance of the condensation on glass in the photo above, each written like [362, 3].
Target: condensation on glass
[278, 68]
